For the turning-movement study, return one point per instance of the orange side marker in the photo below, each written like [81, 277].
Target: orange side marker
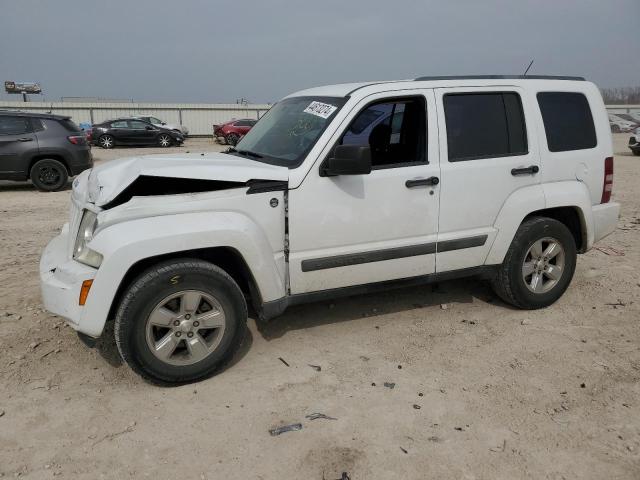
[84, 291]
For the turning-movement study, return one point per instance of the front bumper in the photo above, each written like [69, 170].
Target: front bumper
[605, 219]
[61, 279]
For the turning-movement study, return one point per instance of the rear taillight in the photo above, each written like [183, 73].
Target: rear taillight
[607, 184]
[78, 139]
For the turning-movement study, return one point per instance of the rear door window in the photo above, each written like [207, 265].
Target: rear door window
[119, 124]
[137, 125]
[484, 125]
[14, 125]
[568, 122]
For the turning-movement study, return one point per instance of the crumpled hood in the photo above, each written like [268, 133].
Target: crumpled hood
[106, 181]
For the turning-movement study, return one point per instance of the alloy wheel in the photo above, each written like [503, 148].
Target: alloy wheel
[49, 175]
[164, 140]
[106, 142]
[185, 327]
[543, 265]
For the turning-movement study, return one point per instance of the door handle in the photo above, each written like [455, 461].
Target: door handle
[419, 182]
[532, 170]
[25, 139]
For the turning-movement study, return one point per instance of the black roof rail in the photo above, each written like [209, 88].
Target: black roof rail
[501, 77]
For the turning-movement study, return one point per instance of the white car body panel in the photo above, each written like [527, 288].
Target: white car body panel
[366, 213]
[472, 192]
[109, 179]
[331, 216]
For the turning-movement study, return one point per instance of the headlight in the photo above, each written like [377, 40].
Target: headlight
[81, 252]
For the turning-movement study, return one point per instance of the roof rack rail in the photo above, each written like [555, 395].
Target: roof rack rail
[502, 77]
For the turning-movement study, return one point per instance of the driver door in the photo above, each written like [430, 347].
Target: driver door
[358, 229]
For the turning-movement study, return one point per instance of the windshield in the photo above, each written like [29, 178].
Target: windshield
[286, 133]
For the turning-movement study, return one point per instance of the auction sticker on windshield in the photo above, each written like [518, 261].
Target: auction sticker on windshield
[320, 109]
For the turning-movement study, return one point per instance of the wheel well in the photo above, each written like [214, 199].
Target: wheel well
[52, 156]
[227, 258]
[571, 217]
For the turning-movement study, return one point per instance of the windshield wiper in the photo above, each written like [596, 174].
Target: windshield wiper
[247, 153]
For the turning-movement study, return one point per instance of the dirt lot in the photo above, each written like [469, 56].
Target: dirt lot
[482, 391]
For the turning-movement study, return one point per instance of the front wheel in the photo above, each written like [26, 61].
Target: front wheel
[165, 140]
[232, 139]
[180, 321]
[539, 264]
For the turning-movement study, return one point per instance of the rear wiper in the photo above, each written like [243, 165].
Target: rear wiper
[230, 150]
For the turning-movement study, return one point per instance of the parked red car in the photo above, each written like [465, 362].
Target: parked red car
[231, 132]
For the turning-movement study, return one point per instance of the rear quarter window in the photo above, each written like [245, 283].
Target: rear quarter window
[70, 126]
[568, 122]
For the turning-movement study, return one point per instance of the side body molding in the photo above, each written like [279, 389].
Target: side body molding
[127, 243]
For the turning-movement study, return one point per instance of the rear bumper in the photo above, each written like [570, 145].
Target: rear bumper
[82, 160]
[61, 279]
[605, 219]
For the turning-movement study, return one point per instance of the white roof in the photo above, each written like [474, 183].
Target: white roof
[344, 89]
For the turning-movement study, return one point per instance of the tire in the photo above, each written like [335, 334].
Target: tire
[49, 175]
[513, 282]
[107, 141]
[165, 140]
[162, 290]
[636, 152]
[232, 139]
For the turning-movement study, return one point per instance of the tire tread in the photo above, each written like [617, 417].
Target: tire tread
[122, 320]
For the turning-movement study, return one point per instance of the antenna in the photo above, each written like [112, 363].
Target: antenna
[525, 72]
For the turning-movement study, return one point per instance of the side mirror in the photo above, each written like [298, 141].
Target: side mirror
[347, 160]
[148, 127]
[163, 123]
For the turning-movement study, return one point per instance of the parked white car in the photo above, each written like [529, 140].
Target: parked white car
[507, 178]
[156, 121]
[620, 125]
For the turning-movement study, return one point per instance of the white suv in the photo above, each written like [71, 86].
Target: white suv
[337, 190]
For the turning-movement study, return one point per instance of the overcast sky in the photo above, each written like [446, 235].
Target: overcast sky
[214, 51]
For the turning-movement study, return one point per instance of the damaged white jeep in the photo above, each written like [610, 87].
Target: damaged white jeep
[337, 190]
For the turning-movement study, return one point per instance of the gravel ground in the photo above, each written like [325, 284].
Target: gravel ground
[482, 391]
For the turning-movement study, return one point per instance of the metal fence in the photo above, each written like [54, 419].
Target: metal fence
[198, 118]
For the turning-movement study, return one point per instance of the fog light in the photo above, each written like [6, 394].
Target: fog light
[84, 291]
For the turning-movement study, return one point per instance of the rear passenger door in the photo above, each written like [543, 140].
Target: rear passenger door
[488, 150]
[120, 130]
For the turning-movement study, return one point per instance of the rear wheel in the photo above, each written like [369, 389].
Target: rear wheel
[180, 321]
[49, 175]
[539, 264]
[232, 139]
[106, 141]
[165, 140]
[636, 153]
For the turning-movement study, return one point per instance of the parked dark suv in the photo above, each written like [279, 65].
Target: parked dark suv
[130, 131]
[46, 148]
